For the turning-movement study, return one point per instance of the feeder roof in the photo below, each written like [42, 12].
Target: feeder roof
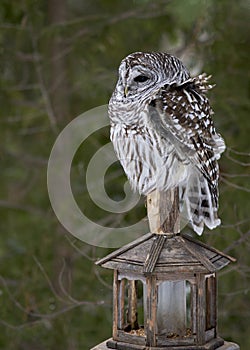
[159, 253]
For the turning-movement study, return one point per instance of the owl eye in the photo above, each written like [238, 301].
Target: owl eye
[141, 78]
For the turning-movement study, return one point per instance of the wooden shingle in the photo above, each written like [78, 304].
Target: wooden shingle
[154, 253]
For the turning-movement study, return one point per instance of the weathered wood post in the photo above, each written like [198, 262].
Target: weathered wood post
[163, 212]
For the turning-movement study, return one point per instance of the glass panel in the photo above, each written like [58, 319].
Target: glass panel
[171, 308]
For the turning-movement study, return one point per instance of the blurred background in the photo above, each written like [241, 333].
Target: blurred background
[59, 58]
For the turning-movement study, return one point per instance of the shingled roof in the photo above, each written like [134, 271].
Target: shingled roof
[155, 253]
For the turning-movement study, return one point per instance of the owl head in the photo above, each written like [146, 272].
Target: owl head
[141, 73]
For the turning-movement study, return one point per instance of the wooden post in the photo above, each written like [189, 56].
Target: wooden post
[163, 211]
[210, 302]
[132, 305]
[163, 215]
[151, 310]
[201, 317]
[121, 308]
[194, 308]
[115, 304]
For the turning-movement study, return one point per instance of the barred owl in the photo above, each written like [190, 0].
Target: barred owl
[163, 134]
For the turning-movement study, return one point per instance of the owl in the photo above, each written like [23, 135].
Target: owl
[163, 133]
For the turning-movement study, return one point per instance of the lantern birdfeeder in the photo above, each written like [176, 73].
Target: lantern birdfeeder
[165, 291]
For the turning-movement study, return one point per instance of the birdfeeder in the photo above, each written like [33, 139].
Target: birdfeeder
[165, 293]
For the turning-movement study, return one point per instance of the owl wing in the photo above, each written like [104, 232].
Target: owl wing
[182, 113]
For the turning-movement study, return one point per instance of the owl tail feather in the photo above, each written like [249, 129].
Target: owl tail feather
[200, 204]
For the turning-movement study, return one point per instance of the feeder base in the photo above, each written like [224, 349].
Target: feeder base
[126, 346]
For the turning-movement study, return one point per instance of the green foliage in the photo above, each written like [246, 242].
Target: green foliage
[58, 60]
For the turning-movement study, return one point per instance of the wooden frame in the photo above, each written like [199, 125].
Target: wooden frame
[203, 311]
[153, 259]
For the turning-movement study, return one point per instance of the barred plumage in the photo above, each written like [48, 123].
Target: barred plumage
[163, 134]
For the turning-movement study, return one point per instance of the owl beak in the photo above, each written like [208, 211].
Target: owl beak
[126, 90]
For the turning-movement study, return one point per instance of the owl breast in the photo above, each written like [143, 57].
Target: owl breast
[146, 157]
